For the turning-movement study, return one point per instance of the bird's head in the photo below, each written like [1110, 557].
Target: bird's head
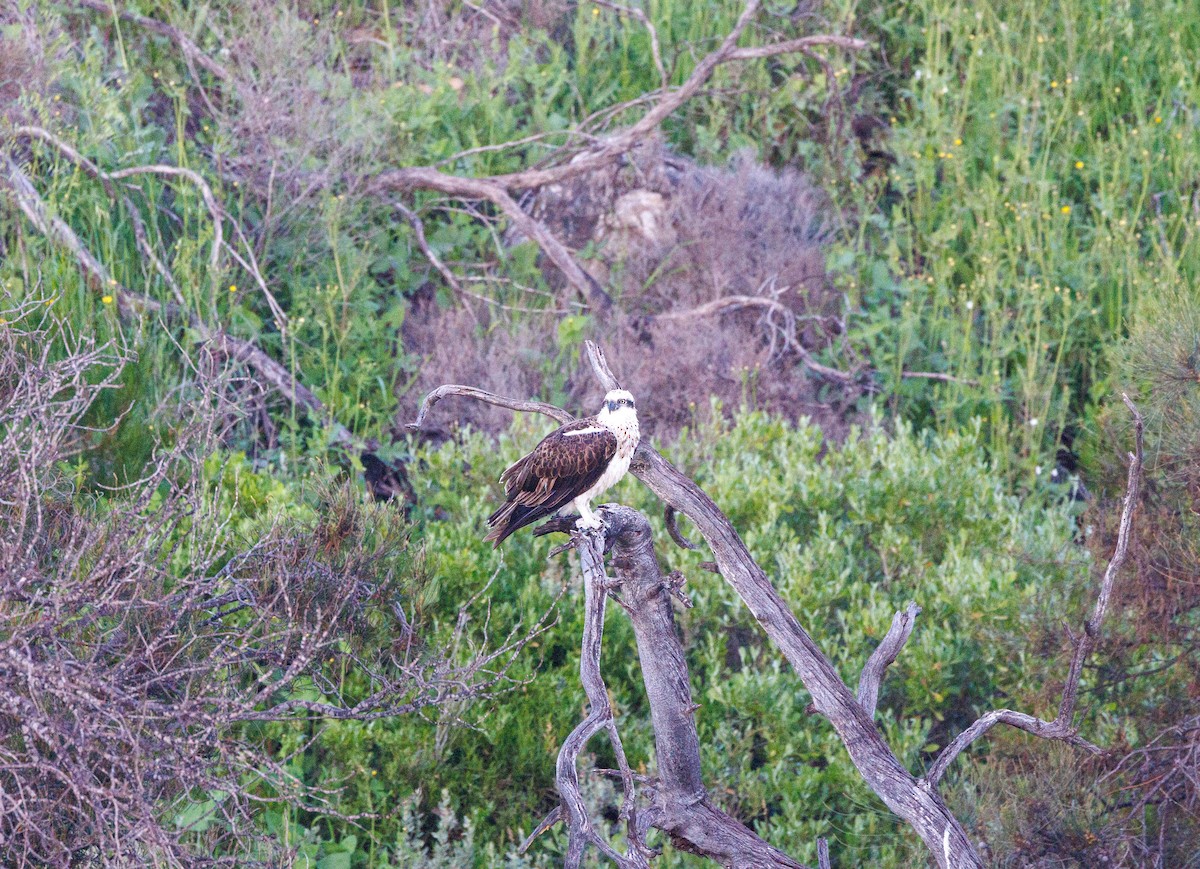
[618, 408]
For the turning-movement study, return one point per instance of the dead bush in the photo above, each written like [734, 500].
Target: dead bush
[717, 275]
[140, 636]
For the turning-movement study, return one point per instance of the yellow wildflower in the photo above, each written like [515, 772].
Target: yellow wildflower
[108, 300]
[1066, 209]
[1078, 164]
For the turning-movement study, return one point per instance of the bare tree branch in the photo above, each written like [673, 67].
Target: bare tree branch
[622, 142]
[496, 189]
[678, 800]
[1062, 727]
[883, 656]
[914, 801]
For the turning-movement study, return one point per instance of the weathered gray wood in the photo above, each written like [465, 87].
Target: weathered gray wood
[883, 656]
[681, 805]
[916, 802]
[684, 812]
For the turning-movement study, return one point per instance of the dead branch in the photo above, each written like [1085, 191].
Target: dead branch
[678, 800]
[883, 656]
[418, 227]
[449, 389]
[914, 801]
[671, 517]
[423, 177]
[1062, 727]
[624, 141]
[734, 303]
[581, 831]
[496, 189]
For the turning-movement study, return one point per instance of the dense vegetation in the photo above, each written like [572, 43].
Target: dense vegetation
[996, 210]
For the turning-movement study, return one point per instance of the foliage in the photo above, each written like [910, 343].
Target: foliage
[844, 555]
[1011, 188]
[1031, 198]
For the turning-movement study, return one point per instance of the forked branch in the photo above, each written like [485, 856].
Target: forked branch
[1063, 726]
[677, 801]
[922, 807]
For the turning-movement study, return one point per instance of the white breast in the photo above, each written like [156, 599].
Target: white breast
[627, 441]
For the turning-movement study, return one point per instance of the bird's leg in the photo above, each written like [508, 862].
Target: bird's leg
[587, 519]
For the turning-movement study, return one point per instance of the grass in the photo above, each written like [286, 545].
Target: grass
[1037, 194]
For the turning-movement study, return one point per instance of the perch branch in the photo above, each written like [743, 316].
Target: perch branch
[679, 802]
[922, 807]
[883, 656]
[1062, 727]
[581, 831]
[914, 801]
[681, 807]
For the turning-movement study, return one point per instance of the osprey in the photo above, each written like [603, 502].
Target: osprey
[573, 464]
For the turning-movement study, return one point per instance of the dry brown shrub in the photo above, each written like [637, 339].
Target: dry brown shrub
[717, 274]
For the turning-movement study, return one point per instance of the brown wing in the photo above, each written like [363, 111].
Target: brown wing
[565, 464]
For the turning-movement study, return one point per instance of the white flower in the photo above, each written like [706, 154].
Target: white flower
[1037, 471]
[1033, 421]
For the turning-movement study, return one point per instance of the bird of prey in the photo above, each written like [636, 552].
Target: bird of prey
[572, 465]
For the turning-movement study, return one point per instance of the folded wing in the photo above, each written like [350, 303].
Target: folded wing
[564, 465]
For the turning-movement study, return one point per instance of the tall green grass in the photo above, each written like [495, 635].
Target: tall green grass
[1044, 180]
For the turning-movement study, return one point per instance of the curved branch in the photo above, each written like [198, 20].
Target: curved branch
[624, 141]
[1062, 727]
[919, 805]
[491, 398]
[883, 656]
[190, 50]
[497, 188]
[670, 515]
